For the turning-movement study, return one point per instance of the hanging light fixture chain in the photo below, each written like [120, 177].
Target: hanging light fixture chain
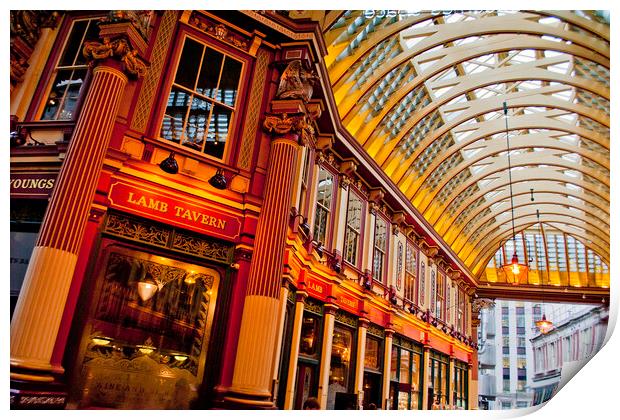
[512, 205]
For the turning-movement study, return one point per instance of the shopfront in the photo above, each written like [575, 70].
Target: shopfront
[151, 316]
[405, 375]
[461, 383]
[309, 360]
[341, 390]
[438, 380]
[373, 366]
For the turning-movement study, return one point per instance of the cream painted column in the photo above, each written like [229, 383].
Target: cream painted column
[425, 379]
[450, 400]
[387, 367]
[329, 317]
[37, 317]
[362, 328]
[300, 300]
[472, 388]
[280, 331]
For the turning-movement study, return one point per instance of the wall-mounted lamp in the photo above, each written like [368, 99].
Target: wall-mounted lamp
[367, 281]
[147, 288]
[304, 226]
[334, 263]
[319, 249]
[169, 165]
[218, 180]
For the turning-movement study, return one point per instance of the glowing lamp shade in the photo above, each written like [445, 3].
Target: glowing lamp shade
[146, 290]
[515, 272]
[544, 325]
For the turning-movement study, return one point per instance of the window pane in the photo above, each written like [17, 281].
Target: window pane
[340, 364]
[73, 47]
[371, 354]
[195, 127]
[354, 221]
[62, 100]
[174, 119]
[189, 63]
[210, 73]
[308, 344]
[227, 91]
[405, 375]
[394, 364]
[218, 131]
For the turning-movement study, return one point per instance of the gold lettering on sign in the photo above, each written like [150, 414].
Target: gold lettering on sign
[316, 287]
[150, 203]
[348, 302]
[41, 183]
[196, 216]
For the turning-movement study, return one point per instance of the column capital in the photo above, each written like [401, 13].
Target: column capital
[121, 41]
[301, 296]
[363, 323]
[330, 309]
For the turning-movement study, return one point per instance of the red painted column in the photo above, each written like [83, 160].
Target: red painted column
[252, 379]
[38, 314]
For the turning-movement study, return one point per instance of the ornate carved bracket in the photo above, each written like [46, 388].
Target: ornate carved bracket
[284, 124]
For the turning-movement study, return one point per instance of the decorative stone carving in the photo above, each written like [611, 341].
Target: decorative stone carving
[218, 31]
[118, 48]
[296, 82]
[285, 124]
[26, 28]
[481, 303]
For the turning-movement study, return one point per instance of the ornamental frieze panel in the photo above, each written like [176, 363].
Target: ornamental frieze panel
[346, 319]
[219, 31]
[375, 331]
[132, 229]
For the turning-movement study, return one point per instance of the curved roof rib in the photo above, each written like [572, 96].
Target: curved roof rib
[424, 94]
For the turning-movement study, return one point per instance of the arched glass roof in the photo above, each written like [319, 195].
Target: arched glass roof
[423, 93]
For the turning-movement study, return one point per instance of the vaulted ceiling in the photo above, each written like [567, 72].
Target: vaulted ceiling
[424, 92]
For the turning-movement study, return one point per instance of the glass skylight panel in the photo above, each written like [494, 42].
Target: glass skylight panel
[552, 38]
[550, 20]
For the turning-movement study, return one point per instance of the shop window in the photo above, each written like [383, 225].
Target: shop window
[353, 229]
[309, 341]
[324, 202]
[506, 385]
[26, 216]
[303, 192]
[411, 265]
[438, 377]
[146, 340]
[460, 386]
[372, 356]
[202, 99]
[380, 249]
[70, 72]
[405, 378]
[441, 296]
[340, 366]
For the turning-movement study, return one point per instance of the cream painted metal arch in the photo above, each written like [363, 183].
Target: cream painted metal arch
[521, 211]
[529, 141]
[484, 255]
[499, 166]
[542, 174]
[458, 239]
[453, 56]
[518, 23]
[547, 177]
[450, 233]
[394, 152]
[595, 237]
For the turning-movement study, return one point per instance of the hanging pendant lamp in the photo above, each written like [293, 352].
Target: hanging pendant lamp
[543, 324]
[514, 272]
